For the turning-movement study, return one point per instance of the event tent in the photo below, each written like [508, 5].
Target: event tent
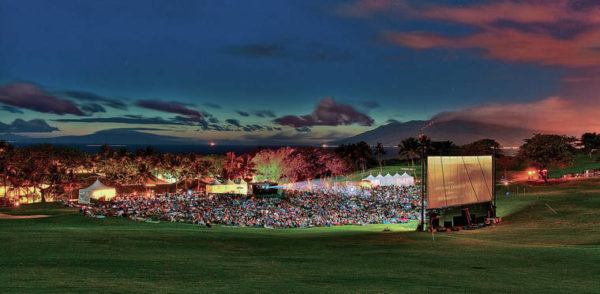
[96, 191]
[373, 180]
[316, 184]
[369, 178]
[389, 180]
[404, 180]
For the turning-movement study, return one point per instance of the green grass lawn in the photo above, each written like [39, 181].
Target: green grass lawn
[580, 164]
[535, 250]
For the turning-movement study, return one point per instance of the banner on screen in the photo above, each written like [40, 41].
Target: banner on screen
[458, 180]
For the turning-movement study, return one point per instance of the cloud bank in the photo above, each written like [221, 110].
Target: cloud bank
[327, 113]
[95, 98]
[169, 107]
[553, 114]
[31, 97]
[560, 33]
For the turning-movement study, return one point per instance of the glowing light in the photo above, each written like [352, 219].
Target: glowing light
[212, 144]
[233, 188]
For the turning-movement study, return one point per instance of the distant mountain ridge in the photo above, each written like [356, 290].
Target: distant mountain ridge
[458, 131]
[112, 136]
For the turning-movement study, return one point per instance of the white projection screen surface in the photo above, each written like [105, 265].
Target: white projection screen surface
[458, 180]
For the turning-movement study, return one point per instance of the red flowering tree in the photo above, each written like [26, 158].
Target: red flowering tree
[238, 167]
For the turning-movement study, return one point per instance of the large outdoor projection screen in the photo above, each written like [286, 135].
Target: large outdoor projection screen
[458, 180]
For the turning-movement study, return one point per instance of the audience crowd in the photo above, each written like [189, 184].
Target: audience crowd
[326, 207]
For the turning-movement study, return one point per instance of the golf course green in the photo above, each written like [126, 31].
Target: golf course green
[549, 242]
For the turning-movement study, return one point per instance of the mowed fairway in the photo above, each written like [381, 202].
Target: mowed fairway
[534, 250]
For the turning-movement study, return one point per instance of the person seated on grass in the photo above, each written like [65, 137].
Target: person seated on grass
[300, 209]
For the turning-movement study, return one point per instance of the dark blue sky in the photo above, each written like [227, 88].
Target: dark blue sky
[281, 57]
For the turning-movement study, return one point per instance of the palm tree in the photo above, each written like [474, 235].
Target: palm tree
[174, 164]
[380, 152]
[53, 176]
[410, 149]
[201, 167]
[230, 166]
[156, 162]
[144, 173]
[246, 167]
[362, 153]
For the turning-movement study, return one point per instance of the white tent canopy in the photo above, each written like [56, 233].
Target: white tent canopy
[405, 180]
[96, 191]
[389, 180]
[369, 178]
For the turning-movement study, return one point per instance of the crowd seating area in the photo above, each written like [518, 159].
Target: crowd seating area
[298, 209]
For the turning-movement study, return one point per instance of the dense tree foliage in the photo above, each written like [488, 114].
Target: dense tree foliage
[379, 153]
[52, 171]
[443, 148]
[410, 149]
[590, 142]
[359, 155]
[544, 151]
[482, 147]
[270, 164]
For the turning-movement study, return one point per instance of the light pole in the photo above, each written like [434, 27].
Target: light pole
[494, 180]
[423, 154]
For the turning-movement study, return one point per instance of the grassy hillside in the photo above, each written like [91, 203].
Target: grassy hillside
[536, 249]
[581, 163]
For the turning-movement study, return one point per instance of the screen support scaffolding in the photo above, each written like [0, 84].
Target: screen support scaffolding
[423, 154]
[494, 181]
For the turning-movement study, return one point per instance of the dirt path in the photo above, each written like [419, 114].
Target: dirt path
[8, 216]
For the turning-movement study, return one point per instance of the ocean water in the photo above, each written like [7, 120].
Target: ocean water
[198, 149]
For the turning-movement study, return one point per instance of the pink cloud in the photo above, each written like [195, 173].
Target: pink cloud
[581, 83]
[418, 40]
[513, 45]
[525, 12]
[553, 114]
[523, 31]
[547, 32]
